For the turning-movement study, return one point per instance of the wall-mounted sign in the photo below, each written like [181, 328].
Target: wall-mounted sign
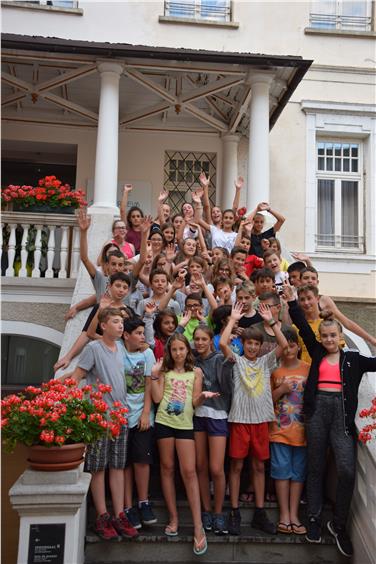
[46, 544]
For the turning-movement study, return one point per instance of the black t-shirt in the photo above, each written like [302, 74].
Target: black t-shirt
[245, 322]
[256, 248]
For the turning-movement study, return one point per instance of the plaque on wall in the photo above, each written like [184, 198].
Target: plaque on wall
[46, 544]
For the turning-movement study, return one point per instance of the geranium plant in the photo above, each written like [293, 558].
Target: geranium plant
[367, 432]
[59, 413]
[49, 192]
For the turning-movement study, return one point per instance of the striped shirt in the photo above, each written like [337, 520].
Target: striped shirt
[252, 397]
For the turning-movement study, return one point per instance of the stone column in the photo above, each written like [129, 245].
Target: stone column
[258, 153]
[229, 169]
[52, 510]
[106, 160]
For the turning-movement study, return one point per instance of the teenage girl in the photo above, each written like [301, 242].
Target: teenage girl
[211, 428]
[330, 404]
[177, 387]
[157, 331]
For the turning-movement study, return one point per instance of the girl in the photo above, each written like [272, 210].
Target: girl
[119, 232]
[210, 426]
[223, 267]
[219, 253]
[102, 260]
[220, 317]
[188, 250]
[156, 241]
[158, 331]
[168, 232]
[330, 404]
[177, 220]
[134, 217]
[275, 246]
[177, 387]
[160, 262]
[225, 236]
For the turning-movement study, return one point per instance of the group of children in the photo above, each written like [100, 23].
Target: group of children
[217, 347]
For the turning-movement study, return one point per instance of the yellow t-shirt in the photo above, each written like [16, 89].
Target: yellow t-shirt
[176, 408]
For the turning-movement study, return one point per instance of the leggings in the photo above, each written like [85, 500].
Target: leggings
[326, 427]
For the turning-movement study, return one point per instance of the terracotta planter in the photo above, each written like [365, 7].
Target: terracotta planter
[55, 459]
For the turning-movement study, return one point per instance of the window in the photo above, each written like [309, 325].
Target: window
[215, 10]
[181, 172]
[339, 201]
[56, 3]
[341, 14]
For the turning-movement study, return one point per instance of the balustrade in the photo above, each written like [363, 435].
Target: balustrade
[39, 245]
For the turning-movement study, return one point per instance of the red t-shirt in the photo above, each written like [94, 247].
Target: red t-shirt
[252, 262]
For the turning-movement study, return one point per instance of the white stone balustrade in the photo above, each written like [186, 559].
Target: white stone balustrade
[55, 243]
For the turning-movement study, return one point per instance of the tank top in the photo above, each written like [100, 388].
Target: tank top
[176, 409]
[126, 249]
[329, 376]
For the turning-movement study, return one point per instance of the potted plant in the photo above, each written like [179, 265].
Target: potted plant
[59, 419]
[367, 432]
[50, 196]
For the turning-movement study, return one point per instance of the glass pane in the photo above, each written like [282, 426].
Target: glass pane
[320, 148]
[26, 360]
[346, 150]
[346, 165]
[329, 149]
[337, 149]
[354, 8]
[321, 165]
[349, 220]
[325, 213]
[329, 163]
[337, 164]
[354, 150]
[354, 165]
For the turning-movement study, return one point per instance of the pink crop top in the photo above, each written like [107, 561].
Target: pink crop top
[126, 249]
[329, 376]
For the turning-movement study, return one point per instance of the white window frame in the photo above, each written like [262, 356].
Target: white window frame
[337, 20]
[332, 120]
[196, 11]
[338, 177]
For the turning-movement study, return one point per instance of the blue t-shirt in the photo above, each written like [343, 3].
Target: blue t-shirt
[137, 366]
[236, 344]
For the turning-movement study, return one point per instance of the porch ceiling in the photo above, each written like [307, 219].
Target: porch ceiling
[160, 89]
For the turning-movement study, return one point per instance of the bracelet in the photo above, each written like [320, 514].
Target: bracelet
[154, 377]
[272, 322]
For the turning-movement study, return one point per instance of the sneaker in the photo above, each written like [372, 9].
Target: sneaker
[234, 520]
[104, 529]
[343, 540]
[313, 530]
[133, 517]
[147, 515]
[123, 527]
[207, 520]
[219, 524]
[262, 522]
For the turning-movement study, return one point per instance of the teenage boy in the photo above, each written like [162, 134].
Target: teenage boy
[161, 296]
[137, 367]
[294, 271]
[243, 240]
[223, 290]
[193, 316]
[272, 302]
[245, 295]
[102, 361]
[257, 234]
[263, 279]
[310, 276]
[251, 410]
[238, 257]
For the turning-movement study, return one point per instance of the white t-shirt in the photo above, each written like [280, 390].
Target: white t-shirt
[223, 239]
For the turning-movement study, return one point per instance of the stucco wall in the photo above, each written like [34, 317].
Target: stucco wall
[48, 315]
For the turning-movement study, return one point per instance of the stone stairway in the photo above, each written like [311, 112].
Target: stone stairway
[251, 546]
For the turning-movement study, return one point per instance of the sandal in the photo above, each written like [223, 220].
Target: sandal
[284, 528]
[298, 529]
[200, 547]
[247, 497]
[171, 531]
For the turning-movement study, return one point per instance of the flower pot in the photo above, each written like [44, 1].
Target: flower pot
[44, 209]
[55, 459]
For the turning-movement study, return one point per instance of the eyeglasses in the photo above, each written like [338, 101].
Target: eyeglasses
[120, 227]
[193, 306]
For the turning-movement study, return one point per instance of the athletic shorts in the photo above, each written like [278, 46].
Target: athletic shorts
[107, 453]
[249, 438]
[165, 432]
[140, 446]
[288, 462]
[213, 427]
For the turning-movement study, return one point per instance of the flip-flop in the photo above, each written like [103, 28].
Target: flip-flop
[170, 531]
[284, 528]
[298, 529]
[201, 547]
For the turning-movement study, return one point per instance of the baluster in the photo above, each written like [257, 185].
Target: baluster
[38, 252]
[11, 250]
[22, 273]
[75, 260]
[63, 252]
[50, 252]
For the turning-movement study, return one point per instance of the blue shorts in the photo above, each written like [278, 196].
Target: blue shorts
[213, 427]
[288, 462]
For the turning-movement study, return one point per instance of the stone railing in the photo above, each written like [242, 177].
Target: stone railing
[39, 245]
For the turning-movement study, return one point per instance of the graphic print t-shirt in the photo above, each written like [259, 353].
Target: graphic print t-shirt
[137, 367]
[176, 409]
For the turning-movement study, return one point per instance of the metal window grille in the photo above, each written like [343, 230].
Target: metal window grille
[341, 14]
[181, 173]
[217, 10]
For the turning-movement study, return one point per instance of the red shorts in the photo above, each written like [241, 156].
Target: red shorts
[249, 438]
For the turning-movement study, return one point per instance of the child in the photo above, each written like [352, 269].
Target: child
[137, 369]
[258, 225]
[211, 429]
[159, 329]
[245, 295]
[243, 240]
[103, 360]
[287, 436]
[275, 246]
[159, 283]
[220, 319]
[238, 257]
[330, 404]
[273, 262]
[177, 387]
[251, 410]
[263, 280]
[193, 316]
[223, 290]
[294, 271]
[272, 302]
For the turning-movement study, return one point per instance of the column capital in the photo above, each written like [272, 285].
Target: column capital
[110, 66]
[230, 137]
[258, 77]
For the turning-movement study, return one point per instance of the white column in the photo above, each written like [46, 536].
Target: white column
[106, 161]
[258, 152]
[229, 169]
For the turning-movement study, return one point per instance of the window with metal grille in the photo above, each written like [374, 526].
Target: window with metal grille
[215, 10]
[339, 196]
[181, 173]
[341, 14]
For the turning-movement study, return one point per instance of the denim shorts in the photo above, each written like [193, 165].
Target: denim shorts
[288, 462]
[213, 427]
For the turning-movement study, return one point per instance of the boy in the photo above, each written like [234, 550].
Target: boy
[160, 296]
[294, 272]
[263, 280]
[137, 367]
[258, 225]
[245, 295]
[193, 316]
[103, 360]
[273, 262]
[251, 410]
[272, 302]
[223, 290]
[287, 436]
[238, 257]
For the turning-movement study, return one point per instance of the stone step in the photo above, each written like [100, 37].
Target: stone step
[252, 547]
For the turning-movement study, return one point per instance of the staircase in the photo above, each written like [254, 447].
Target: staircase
[252, 546]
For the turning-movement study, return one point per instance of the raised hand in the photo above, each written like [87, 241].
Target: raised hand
[186, 317]
[163, 195]
[237, 311]
[263, 206]
[239, 183]
[288, 292]
[179, 282]
[265, 312]
[105, 301]
[197, 195]
[127, 188]
[170, 252]
[198, 279]
[203, 180]
[146, 223]
[300, 256]
[150, 308]
[156, 370]
[83, 219]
